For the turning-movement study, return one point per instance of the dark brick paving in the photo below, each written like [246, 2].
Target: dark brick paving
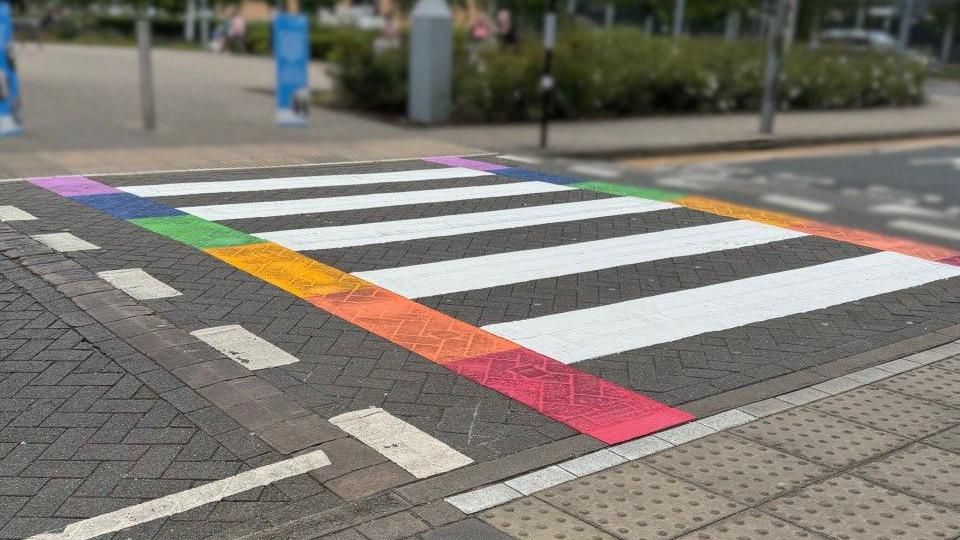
[87, 427]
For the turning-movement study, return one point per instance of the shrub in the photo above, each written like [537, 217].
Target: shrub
[622, 72]
[323, 39]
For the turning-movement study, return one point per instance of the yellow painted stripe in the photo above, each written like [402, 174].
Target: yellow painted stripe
[736, 211]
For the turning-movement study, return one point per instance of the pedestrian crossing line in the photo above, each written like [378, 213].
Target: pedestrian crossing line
[411, 229]
[482, 272]
[298, 182]
[583, 334]
[244, 347]
[219, 212]
[12, 213]
[413, 450]
[455, 161]
[64, 242]
[584, 402]
[800, 224]
[138, 283]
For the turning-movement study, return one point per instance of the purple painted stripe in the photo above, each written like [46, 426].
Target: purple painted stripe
[72, 186]
[453, 161]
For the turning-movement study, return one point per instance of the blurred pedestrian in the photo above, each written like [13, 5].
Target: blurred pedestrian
[506, 31]
[237, 33]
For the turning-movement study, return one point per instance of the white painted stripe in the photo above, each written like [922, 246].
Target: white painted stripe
[297, 182]
[929, 229]
[12, 213]
[192, 498]
[518, 266]
[909, 210]
[521, 159]
[418, 453]
[138, 284]
[590, 333]
[411, 229]
[797, 203]
[64, 242]
[375, 200]
[245, 348]
[595, 170]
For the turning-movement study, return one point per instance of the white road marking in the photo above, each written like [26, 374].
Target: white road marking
[521, 159]
[432, 227]
[244, 347]
[908, 210]
[219, 212]
[921, 162]
[595, 170]
[12, 213]
[138, 284]
[177, 503]
[297, 182]
[418, 453]
[929, 229]
[519, 266]
[797, 203]
[590, 333]
[64, 242]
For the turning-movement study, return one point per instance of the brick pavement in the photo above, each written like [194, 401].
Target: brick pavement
[344, 368]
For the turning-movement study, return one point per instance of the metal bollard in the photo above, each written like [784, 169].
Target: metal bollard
[431, 62]
[147, 107]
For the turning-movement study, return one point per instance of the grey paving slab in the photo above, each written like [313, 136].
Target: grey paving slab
[890, 411]
[751, 525]
[930, 383]
[923, 471]
[635, 500]
[948, 440]
[742, 470]
[534, 519]
[467, 528]
[819, 437]
[848, 507]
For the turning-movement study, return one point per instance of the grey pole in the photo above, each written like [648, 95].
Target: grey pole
[906, 22]
[732, 28]
[204, 23]
[146, 74]
[190, 21]
[771, 76]
[679, 14]
[609, 14]
[861, 16]
[946, 48]
[648, 25]
[431, 62]
[546, 79]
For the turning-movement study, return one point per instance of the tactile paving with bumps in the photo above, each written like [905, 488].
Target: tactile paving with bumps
[751, 525]
[737, 468]
[930, 383]
[533, 519]
[848, 507]
[920, 470]
[637, 501]
[890, 411]
[820, 437]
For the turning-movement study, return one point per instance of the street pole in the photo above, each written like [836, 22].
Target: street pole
[679, 13]
[147, 106]
[906, 21]
[190, 22]
[205, 24]
[946, 48]
[861, 16]
[771, 76]
[546, 79]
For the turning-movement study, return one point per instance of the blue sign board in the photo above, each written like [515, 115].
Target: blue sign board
[9, 84]
[291, 48]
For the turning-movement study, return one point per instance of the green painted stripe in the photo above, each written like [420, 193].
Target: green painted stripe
[630, 191]
[196, 232]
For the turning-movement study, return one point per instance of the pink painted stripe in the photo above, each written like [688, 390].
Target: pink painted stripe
[72, 186]
[586, 403]
[453, 161]
[951, 260]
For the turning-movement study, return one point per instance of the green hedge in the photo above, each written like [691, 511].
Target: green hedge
[623, 72]
[323, 39]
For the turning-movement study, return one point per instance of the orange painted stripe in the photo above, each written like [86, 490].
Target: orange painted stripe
[425, 331]
[295, 273]
[737, 211]
[878, 241]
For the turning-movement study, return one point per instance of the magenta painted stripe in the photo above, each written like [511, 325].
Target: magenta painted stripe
[72, 186]
[453, 161]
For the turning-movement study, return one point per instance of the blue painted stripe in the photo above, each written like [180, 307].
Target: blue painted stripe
[527, 174]
[127, 206]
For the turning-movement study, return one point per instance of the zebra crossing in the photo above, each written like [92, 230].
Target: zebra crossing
[538, 286]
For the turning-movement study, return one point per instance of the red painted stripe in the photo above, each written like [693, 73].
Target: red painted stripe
[589, 404]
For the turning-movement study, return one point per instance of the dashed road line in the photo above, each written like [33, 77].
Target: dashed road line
[797, 203]
[180, 502]
[530, 160]
[138, 284]
[244, 347]
[908, 210]
[12, 213]
[595, 170]
[519, 266]
[929, 229]
[219, 212]
[594, 332]
[64, 242]
[411, 229]
[413, 450]
[299, 182]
